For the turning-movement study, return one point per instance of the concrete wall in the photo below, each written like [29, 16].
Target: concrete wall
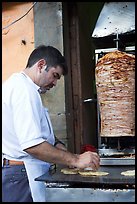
[48, 31]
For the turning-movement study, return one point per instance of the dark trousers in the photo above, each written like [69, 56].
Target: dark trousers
[15, 186]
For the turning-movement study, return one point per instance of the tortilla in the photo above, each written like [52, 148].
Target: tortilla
[69, 171]
[92, 173]
[84, 172]
[128, 173]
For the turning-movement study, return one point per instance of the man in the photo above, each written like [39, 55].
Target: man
[28, 142]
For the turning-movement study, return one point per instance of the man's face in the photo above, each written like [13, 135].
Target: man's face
[48, 79]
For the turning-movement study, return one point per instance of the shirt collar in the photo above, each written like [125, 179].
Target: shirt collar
[37, 87]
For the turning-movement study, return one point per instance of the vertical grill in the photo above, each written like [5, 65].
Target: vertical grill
[115, 30]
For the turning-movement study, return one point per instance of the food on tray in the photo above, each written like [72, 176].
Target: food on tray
[128, 173]
[92, 173]
[84, 172]
[69, 170]
[115, 84]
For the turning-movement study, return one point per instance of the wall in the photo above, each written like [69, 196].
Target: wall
[48, 31]
[14, 52]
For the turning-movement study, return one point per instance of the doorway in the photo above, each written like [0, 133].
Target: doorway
[79, 19]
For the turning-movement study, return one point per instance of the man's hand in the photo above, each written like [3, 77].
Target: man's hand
[88, 159]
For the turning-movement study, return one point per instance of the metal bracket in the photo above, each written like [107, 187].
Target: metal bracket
[90, 100]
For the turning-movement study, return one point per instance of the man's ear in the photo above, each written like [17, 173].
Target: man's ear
[41, 64]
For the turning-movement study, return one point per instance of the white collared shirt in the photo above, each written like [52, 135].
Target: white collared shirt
[25, 123]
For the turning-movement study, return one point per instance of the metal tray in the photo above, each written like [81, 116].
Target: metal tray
[113, 180]
[115, 152]
[117, 161]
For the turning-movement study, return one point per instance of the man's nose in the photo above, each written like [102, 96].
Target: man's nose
[55, 82]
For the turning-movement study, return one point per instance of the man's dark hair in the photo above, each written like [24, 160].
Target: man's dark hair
[52, 56]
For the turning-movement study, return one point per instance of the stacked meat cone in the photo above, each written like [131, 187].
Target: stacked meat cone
[115, 84]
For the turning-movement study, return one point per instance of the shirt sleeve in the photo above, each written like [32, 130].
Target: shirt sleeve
[27, 113]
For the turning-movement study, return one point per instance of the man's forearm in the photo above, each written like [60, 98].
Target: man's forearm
[49, 153]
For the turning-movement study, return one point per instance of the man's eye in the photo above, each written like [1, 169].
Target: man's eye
[56, 76]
